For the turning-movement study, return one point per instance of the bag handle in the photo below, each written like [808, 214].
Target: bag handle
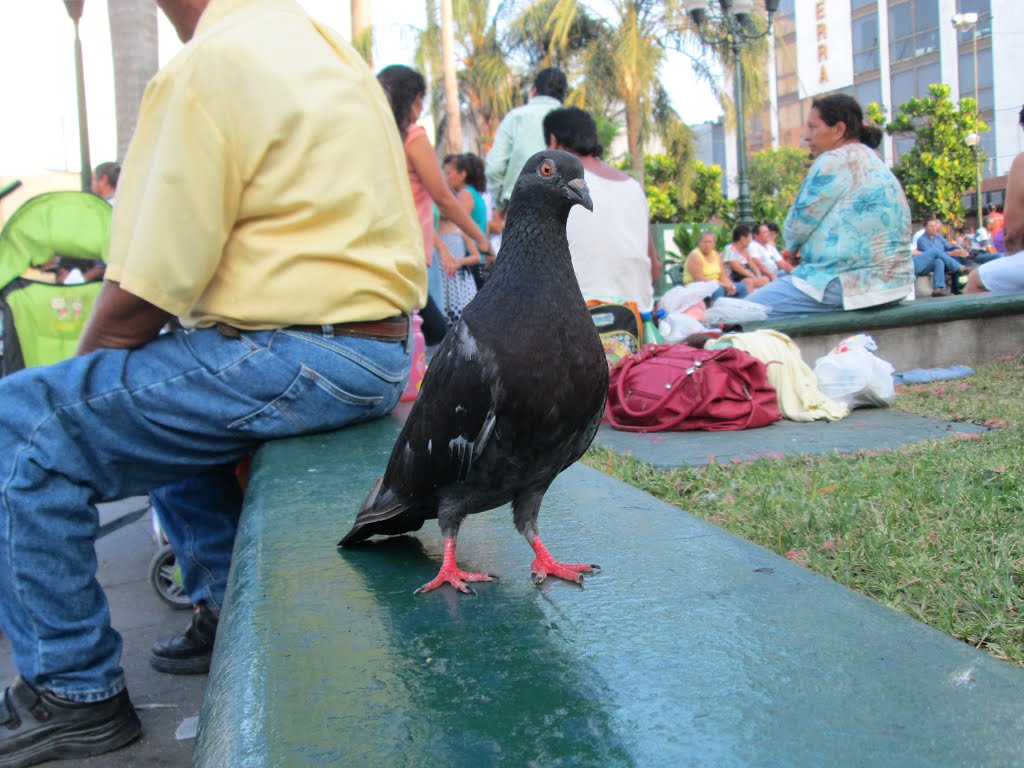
[678, 384]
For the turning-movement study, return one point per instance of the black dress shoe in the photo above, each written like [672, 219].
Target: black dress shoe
[190, 652]
[36, 726]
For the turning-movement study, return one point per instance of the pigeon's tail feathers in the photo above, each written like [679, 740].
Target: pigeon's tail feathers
[376, 508]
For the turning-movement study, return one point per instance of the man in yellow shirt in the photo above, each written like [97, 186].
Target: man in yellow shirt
[265, 202]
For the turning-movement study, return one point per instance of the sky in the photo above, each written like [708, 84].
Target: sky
[39, 118]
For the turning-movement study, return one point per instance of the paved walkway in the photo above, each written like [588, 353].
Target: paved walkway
[163, 701]
[864, 429]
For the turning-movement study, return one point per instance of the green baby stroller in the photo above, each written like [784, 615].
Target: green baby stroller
[50, 235]
[42, 316]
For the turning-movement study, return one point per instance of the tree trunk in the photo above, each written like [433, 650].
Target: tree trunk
[451, 86]
[133, 42]
[362, 29]
[636, 150]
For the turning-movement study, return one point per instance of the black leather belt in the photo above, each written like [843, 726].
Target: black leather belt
[389, 329]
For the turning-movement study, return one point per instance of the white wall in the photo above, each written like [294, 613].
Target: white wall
[1007, 57]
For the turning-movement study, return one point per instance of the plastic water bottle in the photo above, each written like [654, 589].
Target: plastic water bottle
[419, 360]
[651, 333]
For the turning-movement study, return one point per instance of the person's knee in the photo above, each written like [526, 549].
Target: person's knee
[974, 284]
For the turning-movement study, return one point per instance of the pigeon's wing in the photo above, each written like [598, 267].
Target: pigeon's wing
[446, 432]
[586, 437]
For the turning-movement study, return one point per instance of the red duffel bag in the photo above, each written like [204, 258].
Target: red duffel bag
[677, 387]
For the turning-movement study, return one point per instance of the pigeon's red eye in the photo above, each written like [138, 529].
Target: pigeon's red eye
[546, 169]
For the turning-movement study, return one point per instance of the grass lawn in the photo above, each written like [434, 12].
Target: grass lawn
[935, 530]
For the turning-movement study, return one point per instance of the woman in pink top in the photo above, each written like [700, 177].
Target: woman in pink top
[405, 89]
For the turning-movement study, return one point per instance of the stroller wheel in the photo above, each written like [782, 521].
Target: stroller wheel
[165, 577]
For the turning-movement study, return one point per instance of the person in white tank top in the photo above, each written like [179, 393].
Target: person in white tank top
[612, 250]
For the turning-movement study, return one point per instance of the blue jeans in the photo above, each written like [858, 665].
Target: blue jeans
[118, 423]
[783, 298]
[199, 516]
[935, 261]
[741, 292]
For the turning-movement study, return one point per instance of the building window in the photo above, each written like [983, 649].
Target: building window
[903, 89]
[986, 98]
[913, 29]
[865, 43]
[927, 75]
[867, 92]
[900, 146]
[855, 4]
[912, 82]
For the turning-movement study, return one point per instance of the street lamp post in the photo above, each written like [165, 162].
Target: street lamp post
[74, 9]
[734, 25]
[969, 21]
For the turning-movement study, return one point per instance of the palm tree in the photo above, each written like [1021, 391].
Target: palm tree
[133, 42]
[486, 86]
[623, 65]
[451, 86]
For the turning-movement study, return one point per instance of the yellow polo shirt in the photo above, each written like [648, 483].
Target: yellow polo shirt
[266, 183]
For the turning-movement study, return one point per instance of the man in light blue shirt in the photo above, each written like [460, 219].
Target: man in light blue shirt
[521, 134]
[933, 254]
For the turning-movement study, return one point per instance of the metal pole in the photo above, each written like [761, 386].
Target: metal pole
[746, 210]
[83, 121]
[977, 117]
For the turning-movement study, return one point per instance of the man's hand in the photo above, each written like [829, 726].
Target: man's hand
[120, 320]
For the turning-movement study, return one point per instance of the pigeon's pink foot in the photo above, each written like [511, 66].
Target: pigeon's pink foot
[545, 565]
[450, 573]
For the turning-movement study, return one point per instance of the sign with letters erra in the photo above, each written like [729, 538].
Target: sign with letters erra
[824, 47]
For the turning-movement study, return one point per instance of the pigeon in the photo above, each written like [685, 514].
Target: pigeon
[513, 395]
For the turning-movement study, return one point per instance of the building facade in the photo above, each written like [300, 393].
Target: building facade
[889, 51]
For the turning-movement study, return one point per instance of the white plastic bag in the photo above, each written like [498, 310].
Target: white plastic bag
[676, 326]
[680, 297]
[727, 310]
[850, 374]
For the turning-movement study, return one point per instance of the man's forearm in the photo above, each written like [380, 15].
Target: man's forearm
[120, 320]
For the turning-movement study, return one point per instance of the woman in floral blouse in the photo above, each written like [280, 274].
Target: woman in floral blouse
[850, 222]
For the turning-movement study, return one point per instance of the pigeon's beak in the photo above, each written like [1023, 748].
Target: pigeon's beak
[579, 192]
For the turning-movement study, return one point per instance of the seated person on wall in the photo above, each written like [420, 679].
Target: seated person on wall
[764, 254]
[850, 223]
[999, 242]
[705, 263]
[965, 239]
[995, 218]
[1006, 274]
[789, 260]
[982, 237]
[934, 255]
[612, 250]
[737, 260]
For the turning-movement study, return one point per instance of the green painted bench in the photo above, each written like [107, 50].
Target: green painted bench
[691, 647]
[925, 333]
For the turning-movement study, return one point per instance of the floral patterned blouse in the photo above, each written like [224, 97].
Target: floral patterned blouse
[850, 221]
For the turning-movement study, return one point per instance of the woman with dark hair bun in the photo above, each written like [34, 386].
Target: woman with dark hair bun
[850, 222]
